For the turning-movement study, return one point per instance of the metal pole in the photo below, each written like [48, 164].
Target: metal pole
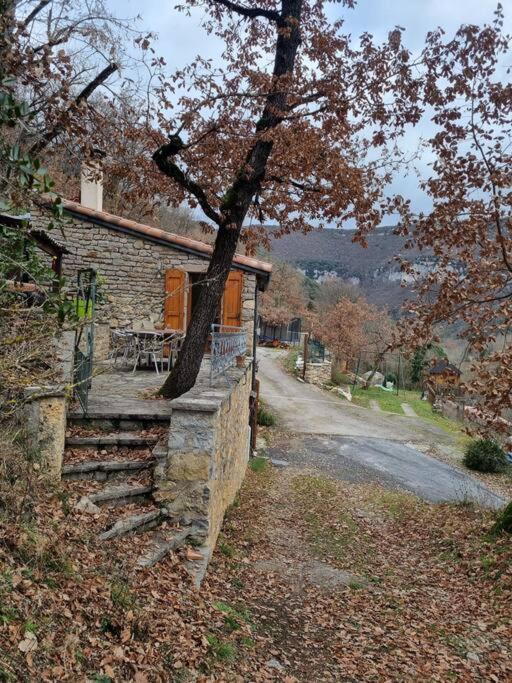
[357, 372]
[306, 339]
[255, 401]
[398, 372]
[254, 339]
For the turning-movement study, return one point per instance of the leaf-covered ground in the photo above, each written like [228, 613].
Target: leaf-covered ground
[312, 580]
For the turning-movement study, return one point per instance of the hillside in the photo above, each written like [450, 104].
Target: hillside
[323, 253]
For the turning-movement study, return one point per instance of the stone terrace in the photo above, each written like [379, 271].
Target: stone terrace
[116, 392]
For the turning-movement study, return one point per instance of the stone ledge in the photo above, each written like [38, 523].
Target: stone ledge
[35, 393]
[199, 404]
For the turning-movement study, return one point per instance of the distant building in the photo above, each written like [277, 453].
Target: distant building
[442, 372]
[288, 333]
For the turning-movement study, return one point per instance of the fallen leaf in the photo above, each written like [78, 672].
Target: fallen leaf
[29, 642]
[193, 555]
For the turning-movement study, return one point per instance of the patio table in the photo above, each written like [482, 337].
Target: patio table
[143, 339]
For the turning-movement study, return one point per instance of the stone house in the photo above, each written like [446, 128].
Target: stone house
[146, 275]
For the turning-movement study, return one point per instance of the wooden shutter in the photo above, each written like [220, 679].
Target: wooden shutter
[232, 302]
[174, 309]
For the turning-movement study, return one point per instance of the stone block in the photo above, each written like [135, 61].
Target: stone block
[189, 467]
[45, 416]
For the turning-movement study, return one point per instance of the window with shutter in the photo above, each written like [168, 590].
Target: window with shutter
[174, 309]
[232, 302]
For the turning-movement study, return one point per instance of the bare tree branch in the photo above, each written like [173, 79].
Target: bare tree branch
[38, 8]
[81, 97]
[251, 13]
[163, 159]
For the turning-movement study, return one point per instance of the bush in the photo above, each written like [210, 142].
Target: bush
[265, 417]
[485, 455]
[504, 521]
[290, 360]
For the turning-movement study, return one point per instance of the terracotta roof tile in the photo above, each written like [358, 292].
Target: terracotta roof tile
[157, 233]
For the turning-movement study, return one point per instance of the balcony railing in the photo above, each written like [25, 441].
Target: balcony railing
[226, 344]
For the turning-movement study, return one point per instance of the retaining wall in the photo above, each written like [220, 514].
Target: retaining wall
[318, 373]
[207, 454]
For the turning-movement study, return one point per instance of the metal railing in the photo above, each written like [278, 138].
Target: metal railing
[226, 344]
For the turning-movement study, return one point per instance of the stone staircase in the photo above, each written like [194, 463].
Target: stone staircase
[109, 463]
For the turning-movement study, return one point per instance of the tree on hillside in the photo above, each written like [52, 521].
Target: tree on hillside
[331, 290]
[180, 221]
[309, 138]
[285, 298]
[342, 328]
[469, 229]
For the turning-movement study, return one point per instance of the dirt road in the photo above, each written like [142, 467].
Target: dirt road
[356, 444]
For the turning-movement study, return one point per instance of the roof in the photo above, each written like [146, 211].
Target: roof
[42, 237]
[117, 223]
[47, 242]
[443, 365]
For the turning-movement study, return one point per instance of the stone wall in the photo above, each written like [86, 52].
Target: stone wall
[45, 418]
[44, 410]
[131, 273]
[452, 410]
[207, 455]
[318, 373]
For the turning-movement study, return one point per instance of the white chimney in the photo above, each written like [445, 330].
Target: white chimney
[91, 185]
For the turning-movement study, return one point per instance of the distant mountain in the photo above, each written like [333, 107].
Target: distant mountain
[323, 253]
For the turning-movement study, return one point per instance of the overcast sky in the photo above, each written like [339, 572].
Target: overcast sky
[180, 38]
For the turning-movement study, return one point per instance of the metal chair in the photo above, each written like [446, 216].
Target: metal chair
[150, 349]
[122, 345]
[170, 349]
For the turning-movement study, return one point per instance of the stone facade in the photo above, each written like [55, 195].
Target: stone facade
[207, 455]
[318, 373]
[131, 274]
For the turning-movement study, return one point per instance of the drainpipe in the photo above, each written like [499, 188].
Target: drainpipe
[254, 383]
[254, 337]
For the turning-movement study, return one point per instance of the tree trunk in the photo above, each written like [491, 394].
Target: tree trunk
[211, 288]
[234, 207]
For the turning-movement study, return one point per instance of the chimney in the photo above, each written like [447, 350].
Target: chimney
[91, 182]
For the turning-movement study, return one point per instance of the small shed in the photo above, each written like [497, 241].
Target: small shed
[442, 372]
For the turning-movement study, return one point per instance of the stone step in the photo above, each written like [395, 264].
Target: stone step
[164, 544]
[123, 439]
[123, 421]
[135, 524]
[103, 470]
[115, 496]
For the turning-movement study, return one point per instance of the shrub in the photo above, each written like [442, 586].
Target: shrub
[504, 521]
[265, 417]
[258, 464]
[290, 360]
[485, 455]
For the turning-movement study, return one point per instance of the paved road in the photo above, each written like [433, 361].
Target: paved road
[357, 444]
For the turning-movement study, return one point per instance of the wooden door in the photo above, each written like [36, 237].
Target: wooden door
[232, 301]
[174, 309]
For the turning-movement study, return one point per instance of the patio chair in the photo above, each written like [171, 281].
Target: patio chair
[150, 350]
[122, 345]
[171, 348]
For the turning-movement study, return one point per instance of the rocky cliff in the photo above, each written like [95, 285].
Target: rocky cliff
[323, 253]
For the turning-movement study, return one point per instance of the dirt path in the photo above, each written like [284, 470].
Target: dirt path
[350, 582]
[307, 409]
